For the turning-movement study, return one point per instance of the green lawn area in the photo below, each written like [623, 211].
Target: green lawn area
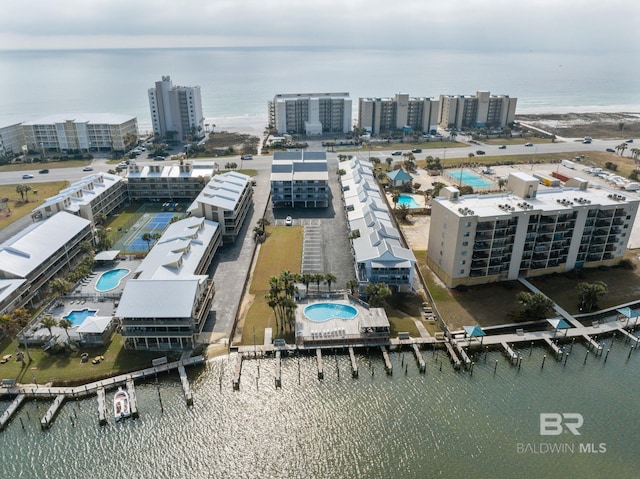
[282, 250]
[67, 368]
[19, 208]
[51, 165]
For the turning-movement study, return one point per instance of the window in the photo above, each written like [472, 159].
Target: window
[463, 262]
[465, 243]
[466, 235]
[464, 253]
[467, 224]
[461, 271]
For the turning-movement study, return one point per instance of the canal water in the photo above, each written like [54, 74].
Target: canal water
[409, 425]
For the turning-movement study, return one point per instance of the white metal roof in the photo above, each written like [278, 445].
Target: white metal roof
[153, 298]
[91, 118]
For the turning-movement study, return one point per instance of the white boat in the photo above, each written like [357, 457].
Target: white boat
[121, 407]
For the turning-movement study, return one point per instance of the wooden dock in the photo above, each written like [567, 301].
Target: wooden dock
[52, 412]
[278, 370]
[461, 352]
[629, 335]
[513, 357]
[133, 399]
[354, 364]
[593, 344]
[387, 362]
[11, 410]
[319, 361]
[188, 396]
[237, 371]
[102, 409]
[420, 360]
[556, 349]
[453, 355]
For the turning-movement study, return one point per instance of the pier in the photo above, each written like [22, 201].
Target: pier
[102, 408]
[319, 361]
[513, 357]
[52, 412]
[185, 385]
[354, 364]
[556, 349]
[13, 407]
[419, 359]
[593, 344]
[629, 335]
[133, 400]
[236, 372]
[278, 370]
[387, 362]
[453, 355]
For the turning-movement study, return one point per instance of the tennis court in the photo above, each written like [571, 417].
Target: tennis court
[152, 223]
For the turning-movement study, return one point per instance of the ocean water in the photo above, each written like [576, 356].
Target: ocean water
[240, 81]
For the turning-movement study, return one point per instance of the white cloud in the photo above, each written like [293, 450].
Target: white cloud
[575, 25]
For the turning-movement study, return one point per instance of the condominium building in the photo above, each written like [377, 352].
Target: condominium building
[226, 199]
[300, 179]
[528, 232]
[383, 115]
[72, 133]
[479, 110]
[166, 303]
[378, 253]
[311, 113]
[38, 253]
[176, 111]
[93, 195]
[11, 140]
[172, 182]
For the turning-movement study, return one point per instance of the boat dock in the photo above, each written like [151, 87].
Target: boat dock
[453, 355]
[319, 361]
[278, 378]
[593, 344]
[102, 406]
[629, 335]
[237, 371]
[513, 357]
[419, 359]
[185, 385]
[13, 407]
[52, 412]
[461, 352]
[556, 349]
[387, 362]
[354, 364]
[133, 400]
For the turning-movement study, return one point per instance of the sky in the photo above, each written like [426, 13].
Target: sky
[483, 25]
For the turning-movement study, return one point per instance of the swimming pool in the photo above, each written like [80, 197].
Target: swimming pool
[111, 279]
[408, 201]
[469, 178]
[77, 316]
[321, 312]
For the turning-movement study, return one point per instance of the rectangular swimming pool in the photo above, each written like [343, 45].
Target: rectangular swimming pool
[469, 178]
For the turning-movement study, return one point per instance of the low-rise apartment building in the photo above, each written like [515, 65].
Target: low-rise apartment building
[478, 239]
[11, 140]
[300, 179]
[173, 182]
[166, 303]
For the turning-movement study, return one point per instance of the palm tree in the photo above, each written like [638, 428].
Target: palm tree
[19, 319]
[65, 324]
[352, 285]
[307, 279]
[396, 198]
[21, 190]
[330, 278]
[49, 322]
[502, 183]
[623, 146]
[59, 286]
[389, 161]
[263, 223]
[318, 278]
[147, 239]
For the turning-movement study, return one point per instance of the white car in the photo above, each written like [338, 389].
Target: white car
[288, 221]
[87, 168]
[528, 144]
[27, 176]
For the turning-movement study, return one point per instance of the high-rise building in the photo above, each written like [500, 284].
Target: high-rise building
[310, 113]
[479, 110]
[176, 111]
[476, 239]
[11, 140]
[381, 115]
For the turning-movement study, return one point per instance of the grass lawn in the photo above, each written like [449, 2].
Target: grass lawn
[282, 250]
[120, 220]
[19, 208]
[51, 165]
[67, 368]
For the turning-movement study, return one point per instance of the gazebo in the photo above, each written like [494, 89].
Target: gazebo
[399, 177]
[474, 332]
[629, 313]
[559, 323]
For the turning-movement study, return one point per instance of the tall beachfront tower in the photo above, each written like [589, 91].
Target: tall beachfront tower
[310, 113]
[383, 115]
[176, 111]
[480, 110]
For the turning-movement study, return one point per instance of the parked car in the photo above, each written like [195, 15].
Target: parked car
[611, 150]
[42, 172]
[396, 153]
[158, 158]
[630, 140]
[288, 221]
[416, 150]
[502, 147]
[479, 152]
[246, 157]
[528, 144]
[27, 176]
[87, 168]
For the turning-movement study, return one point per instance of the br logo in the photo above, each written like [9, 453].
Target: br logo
[553, 424]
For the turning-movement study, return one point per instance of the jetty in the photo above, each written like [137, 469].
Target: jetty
[354, 364]
[133, 400]
[419, 359]
[387, 362]
[319, 362]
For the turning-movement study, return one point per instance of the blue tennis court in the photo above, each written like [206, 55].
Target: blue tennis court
[157, 224]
